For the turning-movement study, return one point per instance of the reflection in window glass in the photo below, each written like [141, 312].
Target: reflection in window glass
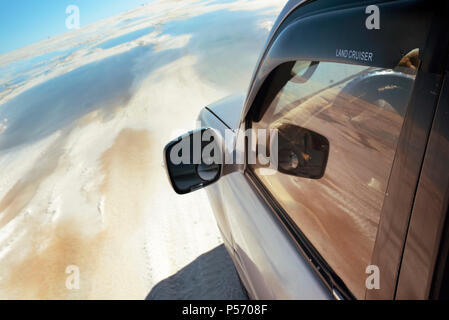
[360, 111]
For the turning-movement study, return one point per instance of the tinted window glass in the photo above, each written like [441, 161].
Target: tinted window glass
[338, 127]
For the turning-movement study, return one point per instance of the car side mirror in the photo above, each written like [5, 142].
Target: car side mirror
[194, 160]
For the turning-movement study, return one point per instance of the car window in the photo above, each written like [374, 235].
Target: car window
[338, 126]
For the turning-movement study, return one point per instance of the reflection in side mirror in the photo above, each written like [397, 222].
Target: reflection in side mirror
[302, 152]
[194, 160]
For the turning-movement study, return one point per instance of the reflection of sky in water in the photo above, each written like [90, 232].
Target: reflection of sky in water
[131, 36]
[220, 2]
[226, 45]
[14, 71]
[103, 85]
[130, 21]
[56, 103]
[17, 80]
[15, 68]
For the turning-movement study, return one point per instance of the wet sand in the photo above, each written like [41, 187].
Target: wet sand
[41, 275]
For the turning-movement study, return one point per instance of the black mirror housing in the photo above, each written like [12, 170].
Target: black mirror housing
[194, 160]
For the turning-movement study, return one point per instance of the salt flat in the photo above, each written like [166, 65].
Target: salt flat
[84, 117]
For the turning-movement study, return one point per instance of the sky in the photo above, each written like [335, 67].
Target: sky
[23, 22]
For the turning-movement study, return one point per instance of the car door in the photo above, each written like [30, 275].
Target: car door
[352, 114]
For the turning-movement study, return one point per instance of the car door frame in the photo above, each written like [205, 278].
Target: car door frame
[425, 251]
[409, 155]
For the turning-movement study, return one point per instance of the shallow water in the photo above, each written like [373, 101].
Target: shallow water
[55, 104]
[131, 36]
[227, 44]
[224, 42]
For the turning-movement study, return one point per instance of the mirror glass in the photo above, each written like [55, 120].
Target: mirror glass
[193, 160]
